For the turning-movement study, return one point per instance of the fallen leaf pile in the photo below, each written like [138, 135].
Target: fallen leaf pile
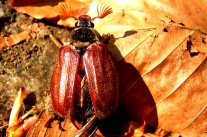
[159, 48]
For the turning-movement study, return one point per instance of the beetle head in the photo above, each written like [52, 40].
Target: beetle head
[84, 21]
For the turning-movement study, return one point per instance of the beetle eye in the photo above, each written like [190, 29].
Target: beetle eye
[92, 25]
[76, 24]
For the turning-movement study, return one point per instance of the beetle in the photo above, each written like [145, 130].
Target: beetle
[85, 60]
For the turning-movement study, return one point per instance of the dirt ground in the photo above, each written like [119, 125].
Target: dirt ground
[28, 63]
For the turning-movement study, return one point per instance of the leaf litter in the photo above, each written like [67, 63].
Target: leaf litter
[160, 50]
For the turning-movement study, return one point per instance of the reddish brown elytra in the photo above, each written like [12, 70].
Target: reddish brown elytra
[85, 60]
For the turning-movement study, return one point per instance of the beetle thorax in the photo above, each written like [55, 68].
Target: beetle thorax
[81, 38]
[84, 34]
[84, 31]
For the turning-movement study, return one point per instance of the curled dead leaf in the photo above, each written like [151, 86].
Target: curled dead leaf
[18, 127]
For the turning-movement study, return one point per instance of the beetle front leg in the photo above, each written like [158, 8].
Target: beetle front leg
[85, 116]
[89, 128]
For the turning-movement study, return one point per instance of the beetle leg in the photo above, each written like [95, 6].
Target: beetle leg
[89, 128]
[57, 43]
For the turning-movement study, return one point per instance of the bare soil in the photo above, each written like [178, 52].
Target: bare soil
[27, 64]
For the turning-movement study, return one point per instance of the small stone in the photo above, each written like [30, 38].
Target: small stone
[2, 13]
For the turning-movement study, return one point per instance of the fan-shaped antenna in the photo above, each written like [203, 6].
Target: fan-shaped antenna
[103, 11]
[64, 9]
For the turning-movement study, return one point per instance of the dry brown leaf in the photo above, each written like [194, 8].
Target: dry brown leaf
[19, 126]
[48, 127]
[49, 9]
[160, 50]
[13, 39]
[162, 81]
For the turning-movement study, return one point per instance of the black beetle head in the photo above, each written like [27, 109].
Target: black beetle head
[84, 21]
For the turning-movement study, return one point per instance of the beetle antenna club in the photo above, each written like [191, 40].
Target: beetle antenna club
[64, 9]
[103, 11]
